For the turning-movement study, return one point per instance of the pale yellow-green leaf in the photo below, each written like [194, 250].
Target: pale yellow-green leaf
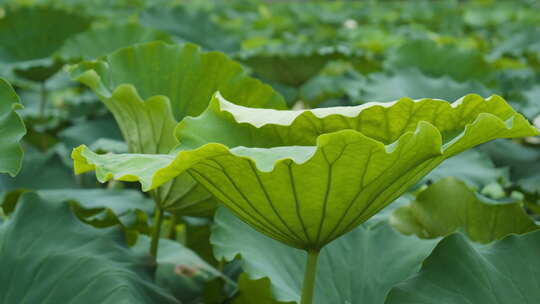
[307, 177]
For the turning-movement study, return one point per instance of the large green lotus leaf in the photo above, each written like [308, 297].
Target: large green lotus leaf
[12, 129]
[54, 258]
[413, 83]
[383, 122]
[30, 36]
[436, 60]
[449, 205]
[277, 172]
[460, 271]
[101, 41]
[354, 269]
[150, 87]
[179, 269]
[172, 80]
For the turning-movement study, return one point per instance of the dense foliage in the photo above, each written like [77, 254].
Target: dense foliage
[229, 151]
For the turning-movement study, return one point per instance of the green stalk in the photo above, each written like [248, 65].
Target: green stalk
[156, 231]
[309, 277]
[172, 228]
[43, 100]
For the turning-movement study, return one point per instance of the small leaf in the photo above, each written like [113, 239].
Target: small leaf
[12, 129]
[448, 205]
[290, 68]
[460, 271]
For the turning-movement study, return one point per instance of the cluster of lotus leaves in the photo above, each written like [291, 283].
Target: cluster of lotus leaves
[307, 177]
[152, 86]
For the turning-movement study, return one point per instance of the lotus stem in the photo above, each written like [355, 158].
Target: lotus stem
[156, 231]
[43, 100]
[309, 277]
[172, 228]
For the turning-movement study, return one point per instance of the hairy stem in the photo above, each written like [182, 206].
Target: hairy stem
[156, 231]
[309, 277]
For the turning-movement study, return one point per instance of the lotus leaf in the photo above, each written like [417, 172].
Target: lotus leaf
[101, 41]
[460, 271]
[307, 177]
[30, 36]
[54, 258]
[449, 205]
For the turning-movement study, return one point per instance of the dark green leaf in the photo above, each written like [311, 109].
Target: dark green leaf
[439, 60]
[30, 36]
[54, 258]
[459, 271]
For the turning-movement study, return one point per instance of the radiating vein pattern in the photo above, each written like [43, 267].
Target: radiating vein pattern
[307, 177]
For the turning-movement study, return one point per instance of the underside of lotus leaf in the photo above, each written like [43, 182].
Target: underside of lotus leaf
[307, 177]
[149, 87]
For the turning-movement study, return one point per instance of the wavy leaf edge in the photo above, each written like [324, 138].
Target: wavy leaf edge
[85, 160]
[86, 71]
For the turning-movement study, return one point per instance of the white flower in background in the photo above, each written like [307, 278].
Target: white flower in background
[350, 24]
